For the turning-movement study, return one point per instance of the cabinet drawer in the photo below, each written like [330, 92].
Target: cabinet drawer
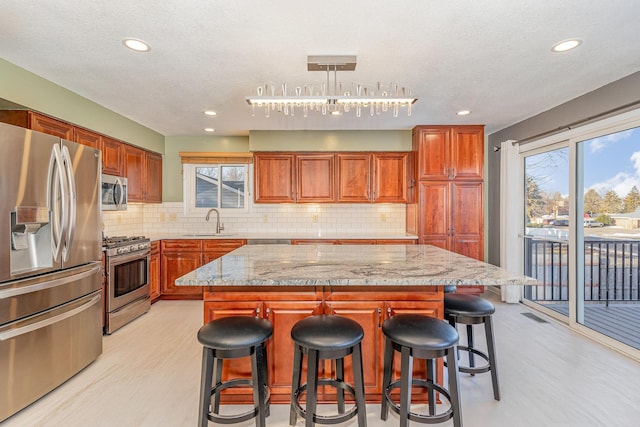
[185, 245]
[222, 245]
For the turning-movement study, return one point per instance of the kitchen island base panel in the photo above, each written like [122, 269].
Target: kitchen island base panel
[283, 308]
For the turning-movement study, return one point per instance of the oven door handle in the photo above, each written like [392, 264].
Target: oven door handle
[12, 292]
[12, 333]
[122, 258]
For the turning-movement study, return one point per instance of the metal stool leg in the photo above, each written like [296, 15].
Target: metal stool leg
[258, 387]
[295, 383]
[491, 350]
[265, 375]
[470, 344]
[386, 379]
[205, 386]
[340, 377]
[312, 387]
[217, 375]
[452, 371]
[431, 393]
[358, 383]
[406, 370]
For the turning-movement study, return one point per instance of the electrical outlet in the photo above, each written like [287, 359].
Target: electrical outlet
[314, 217]
[383, 217]
[119, 219]
[162, 218]
[265, 218]
[172, 217]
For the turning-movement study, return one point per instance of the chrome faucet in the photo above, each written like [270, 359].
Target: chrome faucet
[219, 225]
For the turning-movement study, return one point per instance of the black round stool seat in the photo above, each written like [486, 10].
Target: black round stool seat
[232, 338]
[327, 332]
[235, 332]
[467, 305]
[327, 337]
[421, 337]
[420, 332]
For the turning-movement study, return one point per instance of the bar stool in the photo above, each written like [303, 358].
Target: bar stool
[472, 310]
[231, 338]
[418, 336]
[327, 337]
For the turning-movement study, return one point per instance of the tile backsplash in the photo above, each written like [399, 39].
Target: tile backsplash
[169, 218]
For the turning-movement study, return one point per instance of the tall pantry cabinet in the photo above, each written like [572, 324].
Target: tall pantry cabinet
[446, 200]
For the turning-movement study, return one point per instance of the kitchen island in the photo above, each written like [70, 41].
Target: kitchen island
[368, 283]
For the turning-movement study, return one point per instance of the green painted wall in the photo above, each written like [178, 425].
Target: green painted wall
[349, 140]
[25, 88]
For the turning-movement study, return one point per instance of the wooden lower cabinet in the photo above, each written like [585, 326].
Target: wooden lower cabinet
[284, 309]
[180, 257]
[154, 271]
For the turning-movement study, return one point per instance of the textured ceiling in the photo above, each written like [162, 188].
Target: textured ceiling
[492, 57]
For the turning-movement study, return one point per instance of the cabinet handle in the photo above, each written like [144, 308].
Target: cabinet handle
[379, 317]
[268, 311]
[257, 311]
[389, 314]
[453, 173]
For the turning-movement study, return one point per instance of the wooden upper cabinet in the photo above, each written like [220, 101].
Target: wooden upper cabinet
[143, 170]
[354, 177]
[51, 126]
[153, 178]
[390, 177]
[88, 138]
[112, 156]
[134, 171]
[445, 153]
[314, 178]
[274, 178]
[372, 177]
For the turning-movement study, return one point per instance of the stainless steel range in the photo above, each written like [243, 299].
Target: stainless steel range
[127, 281]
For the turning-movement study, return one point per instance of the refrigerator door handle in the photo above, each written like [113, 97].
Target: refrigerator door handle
[12, 333]
[55, 182]
[70, 225]
[13, 292]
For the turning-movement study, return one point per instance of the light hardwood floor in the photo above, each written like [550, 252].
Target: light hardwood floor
[149, 375]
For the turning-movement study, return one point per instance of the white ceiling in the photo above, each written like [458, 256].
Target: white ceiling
[492, 57]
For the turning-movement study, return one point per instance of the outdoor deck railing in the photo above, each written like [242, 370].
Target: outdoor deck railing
[611, 270]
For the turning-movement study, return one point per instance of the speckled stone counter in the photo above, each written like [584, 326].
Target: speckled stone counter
[342, 265]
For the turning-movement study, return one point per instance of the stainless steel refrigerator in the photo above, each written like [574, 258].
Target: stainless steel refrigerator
[50, 268]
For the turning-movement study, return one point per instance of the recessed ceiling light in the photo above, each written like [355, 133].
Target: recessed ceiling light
[463, 112]
[210, 113]
[136, 44]
[566, 45]
[336, 113]
[209, 130]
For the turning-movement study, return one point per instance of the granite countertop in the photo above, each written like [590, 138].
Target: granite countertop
[287, 236]
[345, 265]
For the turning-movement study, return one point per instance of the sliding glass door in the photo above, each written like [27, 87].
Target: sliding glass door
[581, 237]
[546, 233]
[608, 299]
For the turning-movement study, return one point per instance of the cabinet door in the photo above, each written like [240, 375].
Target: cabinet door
[369, 315]
[274, 178]
[154, 271]
[467, 152]
[432, 146]
[174, 265]
[315, 178]
[112, 156]
[354, 177]
[153, 178]
[234, 368]
[51, 126]
[283, 315]
[390, 177]
[88, 138]
[134, 171]
[434, 228]
[467, 219]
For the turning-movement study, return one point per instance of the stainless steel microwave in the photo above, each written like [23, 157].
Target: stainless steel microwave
[114, 193]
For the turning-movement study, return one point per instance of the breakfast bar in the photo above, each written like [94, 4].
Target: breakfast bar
[368, 283]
